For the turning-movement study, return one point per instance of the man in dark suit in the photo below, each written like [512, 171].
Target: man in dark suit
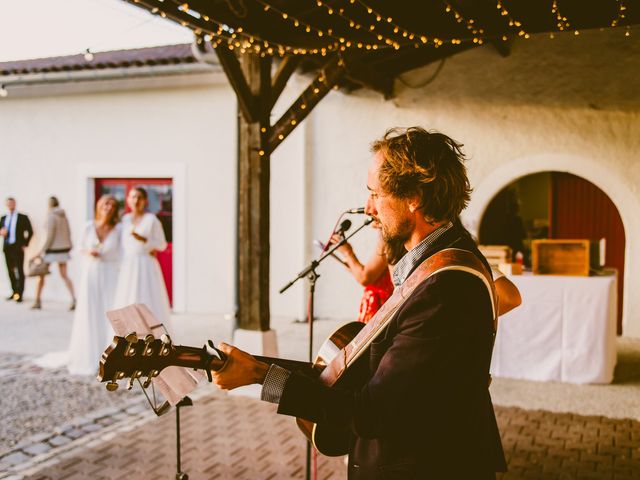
[16, 230]
[424, 409]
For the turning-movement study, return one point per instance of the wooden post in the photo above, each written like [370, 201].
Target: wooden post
[253, 199]
[250, 78]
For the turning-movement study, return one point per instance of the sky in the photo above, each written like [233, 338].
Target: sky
[46, 28]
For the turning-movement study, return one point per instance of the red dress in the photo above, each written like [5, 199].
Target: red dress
[375, 294]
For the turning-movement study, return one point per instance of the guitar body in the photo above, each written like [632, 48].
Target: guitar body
[331, 440]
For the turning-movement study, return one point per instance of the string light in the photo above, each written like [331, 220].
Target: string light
[371, 29]
[382, 27]
[407, 35]
[234, 38]
[562, 21]
[3, 91]
[468, 23]
[620, 16]
[517, 25]
[303, 26]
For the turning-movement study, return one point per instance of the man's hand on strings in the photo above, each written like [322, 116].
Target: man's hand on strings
[239, 370]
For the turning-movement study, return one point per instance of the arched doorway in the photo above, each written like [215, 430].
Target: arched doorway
[555, 205]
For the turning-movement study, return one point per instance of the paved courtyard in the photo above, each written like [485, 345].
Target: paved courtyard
[59, 427]
[231, 437]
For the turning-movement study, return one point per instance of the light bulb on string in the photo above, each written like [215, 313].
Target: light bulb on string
[3, 91]
[88, 55]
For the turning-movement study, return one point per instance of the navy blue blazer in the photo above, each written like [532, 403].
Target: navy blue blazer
[24, 232]
[424, 410]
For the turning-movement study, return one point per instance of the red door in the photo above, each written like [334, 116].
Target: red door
[160, 191]
[579, 209]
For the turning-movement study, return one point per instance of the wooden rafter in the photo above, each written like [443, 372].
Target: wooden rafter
[284, 72]
[329, 76]
[231, 66]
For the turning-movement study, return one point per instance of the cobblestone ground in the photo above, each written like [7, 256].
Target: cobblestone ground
[556, 446]
[56, 427]
[41, 401]
[230, 437]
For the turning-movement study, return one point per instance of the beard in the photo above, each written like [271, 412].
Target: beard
[400, 234]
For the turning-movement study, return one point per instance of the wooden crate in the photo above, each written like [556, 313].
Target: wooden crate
[496, 254]
[560, 257]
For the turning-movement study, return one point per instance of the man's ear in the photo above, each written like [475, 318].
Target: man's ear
[414, 204]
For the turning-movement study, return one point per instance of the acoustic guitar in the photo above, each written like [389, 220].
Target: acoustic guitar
[340, 362]
[134, 358]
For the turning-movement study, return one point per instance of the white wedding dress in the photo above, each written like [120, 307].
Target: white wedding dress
[91, 332]
[140, 279]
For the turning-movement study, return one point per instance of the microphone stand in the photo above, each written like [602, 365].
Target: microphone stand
[310, 272]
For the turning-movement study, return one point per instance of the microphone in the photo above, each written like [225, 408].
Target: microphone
[344, 226]
[355, 210]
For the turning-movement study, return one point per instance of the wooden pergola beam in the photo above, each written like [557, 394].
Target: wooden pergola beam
[328, 77]
[231, 66]
[286, 68]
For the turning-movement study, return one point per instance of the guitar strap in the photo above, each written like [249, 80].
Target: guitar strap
[447, 259]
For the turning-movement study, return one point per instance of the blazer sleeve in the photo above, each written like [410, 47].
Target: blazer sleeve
[431, 329]
[28, 230]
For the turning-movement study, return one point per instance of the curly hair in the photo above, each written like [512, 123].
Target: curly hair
[427, 165]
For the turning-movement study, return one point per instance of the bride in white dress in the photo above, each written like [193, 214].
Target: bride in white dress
[140, 279]
[91, 332]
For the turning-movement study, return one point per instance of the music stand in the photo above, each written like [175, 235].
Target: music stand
[174, 382]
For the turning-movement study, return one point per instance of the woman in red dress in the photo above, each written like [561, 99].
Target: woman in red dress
[374, 275]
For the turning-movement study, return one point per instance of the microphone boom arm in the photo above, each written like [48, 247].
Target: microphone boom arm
[314, 263]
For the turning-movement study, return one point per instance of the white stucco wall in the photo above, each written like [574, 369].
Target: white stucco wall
[568, 104]
[51, 145]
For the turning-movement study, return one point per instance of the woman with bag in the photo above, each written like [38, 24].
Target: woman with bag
[56, 249]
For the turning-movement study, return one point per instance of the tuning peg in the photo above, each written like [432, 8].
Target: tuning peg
[130, 383]
[154, 373]
[148, 351]
[166, 339]
[112, 386]
[147, 382]
[131, 338]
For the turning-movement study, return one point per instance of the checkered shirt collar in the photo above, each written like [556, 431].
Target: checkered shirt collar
[410, 259]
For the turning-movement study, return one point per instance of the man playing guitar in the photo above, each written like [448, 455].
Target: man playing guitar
[422, 409]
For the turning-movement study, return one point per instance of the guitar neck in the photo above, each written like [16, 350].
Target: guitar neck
[192, 357]
[292, 365]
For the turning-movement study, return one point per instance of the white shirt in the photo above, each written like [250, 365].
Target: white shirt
[10, 224]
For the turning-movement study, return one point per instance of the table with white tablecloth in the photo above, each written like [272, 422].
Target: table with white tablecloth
[565, 330]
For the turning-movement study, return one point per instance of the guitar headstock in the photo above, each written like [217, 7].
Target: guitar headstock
[132, 357]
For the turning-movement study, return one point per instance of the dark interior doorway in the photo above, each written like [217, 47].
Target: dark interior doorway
[555, 205]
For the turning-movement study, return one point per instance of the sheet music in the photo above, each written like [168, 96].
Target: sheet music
[173, 382]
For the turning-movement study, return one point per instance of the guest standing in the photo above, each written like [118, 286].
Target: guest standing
[91, 332]
[56, 249]
[374, 276]
[140, 279]
[16, 230]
